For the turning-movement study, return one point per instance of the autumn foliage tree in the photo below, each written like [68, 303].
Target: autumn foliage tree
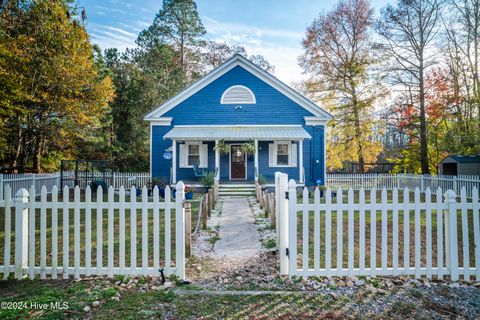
[50, 81]
[339, 61]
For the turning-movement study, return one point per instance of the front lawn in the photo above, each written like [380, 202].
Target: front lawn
[94, 240]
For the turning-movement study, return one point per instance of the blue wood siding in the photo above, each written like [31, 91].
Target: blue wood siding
[160, 167]
[313, 155]
[272, 108]
[313, 159]
[204, 108]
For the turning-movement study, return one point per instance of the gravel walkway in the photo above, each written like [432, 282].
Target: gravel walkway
[239, 237]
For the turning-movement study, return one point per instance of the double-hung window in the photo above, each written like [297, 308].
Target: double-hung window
[282, 154]
[193, 155]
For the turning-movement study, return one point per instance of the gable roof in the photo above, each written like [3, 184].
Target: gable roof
[464, 159]
[238, 60]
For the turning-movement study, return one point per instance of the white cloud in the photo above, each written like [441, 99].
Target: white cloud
[280, 47]
[111, 37]
[215, 27]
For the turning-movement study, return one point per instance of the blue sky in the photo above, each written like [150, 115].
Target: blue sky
[268, 27]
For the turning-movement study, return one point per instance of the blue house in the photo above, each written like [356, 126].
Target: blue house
[238, 103]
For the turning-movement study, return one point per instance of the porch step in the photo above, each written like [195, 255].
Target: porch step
[237, 185]
[236, 190]
[238, 194]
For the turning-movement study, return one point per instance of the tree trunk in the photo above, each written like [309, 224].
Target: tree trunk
[358, 128]
[423, 121]
[37, 155]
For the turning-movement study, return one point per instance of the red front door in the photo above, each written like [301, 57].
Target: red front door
[237, 163]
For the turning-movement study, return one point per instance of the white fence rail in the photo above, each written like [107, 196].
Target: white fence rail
[401, 181]
[115, 179]
[90, 235]
[379, 232]
[26, 180]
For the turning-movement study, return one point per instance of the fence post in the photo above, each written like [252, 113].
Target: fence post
[422, 189]
[452, 238]
[21, 232]
[455, 184]
[188, 229]
[277, 210]
[210, 202]
[1, 187]
[180, 231]
[203, 209]
[281, 193]
[292, 227]
[272, 212]
[33, 184]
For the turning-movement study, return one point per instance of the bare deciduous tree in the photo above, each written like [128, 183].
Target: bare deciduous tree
[408, 31]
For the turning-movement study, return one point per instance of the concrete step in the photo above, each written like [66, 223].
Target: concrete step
[235, 193]
[237, 185]
[236, 189]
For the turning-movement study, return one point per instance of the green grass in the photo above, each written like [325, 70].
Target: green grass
[75, 294]
[155, 304]
[356, 234]
[94, 240]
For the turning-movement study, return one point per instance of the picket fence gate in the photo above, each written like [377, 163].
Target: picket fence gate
[83, 255]
[369, 238]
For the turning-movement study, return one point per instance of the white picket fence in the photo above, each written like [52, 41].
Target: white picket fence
[97, 226]
[336, 235]
[401, 181]
[115, 179]
[26, 180]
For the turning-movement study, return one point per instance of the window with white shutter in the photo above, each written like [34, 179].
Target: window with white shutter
[282, 154]
[193, 153]
[203, 156]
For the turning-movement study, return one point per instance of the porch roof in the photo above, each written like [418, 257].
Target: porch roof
[237, 132]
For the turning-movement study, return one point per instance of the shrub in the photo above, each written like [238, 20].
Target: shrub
[208, 180]
[261, 180]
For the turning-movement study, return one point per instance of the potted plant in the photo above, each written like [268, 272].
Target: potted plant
[249, 148]
[208, 180]
[262, 181]
[160, 184]
[222, 147]
[189, 192]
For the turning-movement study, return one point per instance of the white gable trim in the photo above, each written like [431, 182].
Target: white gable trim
[162, 121]
[315, 121]
[239, 60]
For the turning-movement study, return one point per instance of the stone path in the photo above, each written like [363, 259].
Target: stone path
[238, 235]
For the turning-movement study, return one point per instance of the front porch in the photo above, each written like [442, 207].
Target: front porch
[277, 148]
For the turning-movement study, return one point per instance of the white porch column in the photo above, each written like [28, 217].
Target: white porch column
[217, 162]
[300, 160]
[256, 159]
[174, 161]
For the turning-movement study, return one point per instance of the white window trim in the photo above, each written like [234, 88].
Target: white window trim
[238, 86]
[275, 152]
[187, 144]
